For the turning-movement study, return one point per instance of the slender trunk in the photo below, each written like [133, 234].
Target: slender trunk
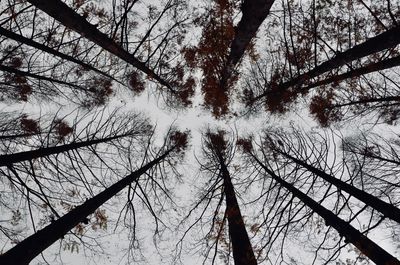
[40, 77]
[385, 40]
[373, 156]
[352, 235]
[32, 43]
[32, 246]
[254, 13]
[373, 67]
[365, 101]
[15, 136]
[6, 160]
[69, 18]
[387, 209]
[242, 251]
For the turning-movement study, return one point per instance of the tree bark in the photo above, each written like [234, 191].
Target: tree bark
[365, 101]
[352, 235]
[15, 136]
[254, 13]
[69, 18]
[243, 253]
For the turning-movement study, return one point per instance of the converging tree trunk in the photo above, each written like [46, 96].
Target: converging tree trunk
[352, 235]
[385, 40]
[32, 246]
[387, 209]
[42, 78]
[69, 18]
[370, 68]
[6, 160]
[242, 250]
[253, 15]
[243, 253]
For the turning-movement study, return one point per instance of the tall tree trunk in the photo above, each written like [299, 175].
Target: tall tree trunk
[385, 40]
[368, 100]
[387, 209]
[254, 13]
[69, 18]
[15, 136]
[370, 68]
[352, 235]
[32, 43]
[243, 253]
[10, 159]
[32, 246]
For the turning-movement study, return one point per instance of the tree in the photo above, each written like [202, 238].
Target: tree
[30, 42]
[283, 86]
[218, 152]
[219, 57]
[78, 23]
[66, 161]
[29, 248]
[297, 156]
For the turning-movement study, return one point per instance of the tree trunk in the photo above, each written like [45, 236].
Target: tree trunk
[241, 247]
[10, 159]
[365, 101]
[387, 209]
[254, 13]
[385, 40]
[352, 235]
[69, 18]
[373, 67]
[32, 246]
[15, 136]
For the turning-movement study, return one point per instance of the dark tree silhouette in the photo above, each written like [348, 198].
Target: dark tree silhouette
[218, 152]
[352, 235]
[290, 89]
[32, 246]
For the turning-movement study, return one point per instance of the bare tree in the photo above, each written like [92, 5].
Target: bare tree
[32, 246]
[218, 152]
[352, 235]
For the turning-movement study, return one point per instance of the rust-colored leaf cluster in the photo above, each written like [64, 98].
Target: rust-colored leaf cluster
[29, 125]
[21, 84]
[186, 85]
[278, 99]
[100, 220]
[179, 140]
[62, 129]
[187, 91]
[136, 83]
[101, 88]
[245, 145]
[321, 109]
[216, 141]
[211, 56]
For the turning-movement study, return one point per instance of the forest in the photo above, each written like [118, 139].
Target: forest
[199, 132]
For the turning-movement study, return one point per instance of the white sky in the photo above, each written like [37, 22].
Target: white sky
[194, 119]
